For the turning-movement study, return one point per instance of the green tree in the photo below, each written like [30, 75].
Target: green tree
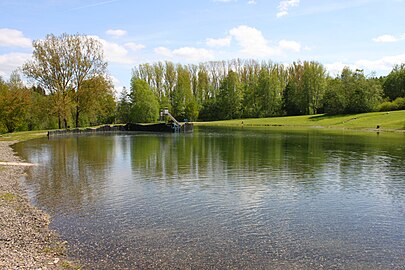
[394, 85]
[269, 92]
[95, 102]
[334, 100]
[362, 94]
[249, 76]
[40, 115]
[352, 92]
[305, 89]
[51, 67]
[89, 71]
[14, 103]
[124, 107]
[182, 99]
[60, 65]
[144, 103]
[230, 97]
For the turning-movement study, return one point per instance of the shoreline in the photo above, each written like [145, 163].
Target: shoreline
[26, 242]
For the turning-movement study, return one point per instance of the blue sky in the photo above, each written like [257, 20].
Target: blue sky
[364, 34]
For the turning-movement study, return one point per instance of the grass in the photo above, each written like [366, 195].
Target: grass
[391, 121]
[8, 197]
[23, 135]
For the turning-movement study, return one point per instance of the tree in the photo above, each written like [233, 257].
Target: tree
[89, 70]
[144, 103]
[305, 89]
[362, 94]
[334, 100]
[352, 92]
[269, 92]
[60, 65]
[124, 107]
[14, 103]
[249, 76]
[95, 102]
[394, 85]
[230, 96]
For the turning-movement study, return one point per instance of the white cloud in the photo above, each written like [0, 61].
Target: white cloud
[13, 38]
[163, 51]
[114, 52]
[220, 42]
[252, 2]
[385, 63]
[12, 61]
[116, 32]
[337, 67]
[389, 38]
[193, 54]
[253, 43]
[284, 6]
[186, 53]
[134, 46]
[289, 45]
[382, 65]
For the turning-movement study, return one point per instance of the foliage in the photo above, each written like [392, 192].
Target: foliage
[397, 104]
[124, 107]
[230, 97]
[61, 65]
[73, 89]
[14, 104]
[352, 92]
[95, 102]
[394, 84]
[144, 103]
[305, 89]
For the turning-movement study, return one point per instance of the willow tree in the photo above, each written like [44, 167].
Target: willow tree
[60, 65]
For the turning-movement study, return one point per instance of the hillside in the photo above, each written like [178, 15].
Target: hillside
[392, 121]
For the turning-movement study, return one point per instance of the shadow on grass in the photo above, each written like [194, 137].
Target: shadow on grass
[326, 116]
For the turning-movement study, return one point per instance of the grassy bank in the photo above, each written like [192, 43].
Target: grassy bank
[23, 135]
[390, 121]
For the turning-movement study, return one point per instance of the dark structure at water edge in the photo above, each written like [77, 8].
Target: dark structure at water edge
[170, 126]
[160, 127]
[129, 127]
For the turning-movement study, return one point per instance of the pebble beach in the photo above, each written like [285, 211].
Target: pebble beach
[26, 242]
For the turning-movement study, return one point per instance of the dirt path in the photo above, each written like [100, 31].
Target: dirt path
[26, 242]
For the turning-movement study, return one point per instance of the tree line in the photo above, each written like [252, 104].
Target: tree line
[71, 88]
[221, 90]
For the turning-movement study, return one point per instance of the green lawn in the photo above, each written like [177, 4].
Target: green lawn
[23, 135]
[394, 120]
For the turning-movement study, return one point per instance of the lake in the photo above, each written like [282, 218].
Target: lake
[238, 198]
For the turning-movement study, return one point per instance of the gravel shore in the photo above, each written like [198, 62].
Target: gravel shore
[26, 242]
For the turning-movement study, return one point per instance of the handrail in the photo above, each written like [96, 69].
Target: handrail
[166, 112]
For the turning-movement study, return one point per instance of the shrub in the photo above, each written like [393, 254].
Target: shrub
[397, 104]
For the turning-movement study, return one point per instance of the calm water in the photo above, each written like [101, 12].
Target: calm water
[225, 198]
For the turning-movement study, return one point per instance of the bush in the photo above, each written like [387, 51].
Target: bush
[397, 104]
[400, 103]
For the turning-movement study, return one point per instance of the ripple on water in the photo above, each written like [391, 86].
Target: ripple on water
[225, 200]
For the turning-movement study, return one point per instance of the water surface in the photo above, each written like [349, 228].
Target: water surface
[225, 198]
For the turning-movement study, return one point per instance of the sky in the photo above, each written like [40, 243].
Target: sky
[360, 34]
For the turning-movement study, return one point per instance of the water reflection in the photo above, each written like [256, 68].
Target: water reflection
[237, 198]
